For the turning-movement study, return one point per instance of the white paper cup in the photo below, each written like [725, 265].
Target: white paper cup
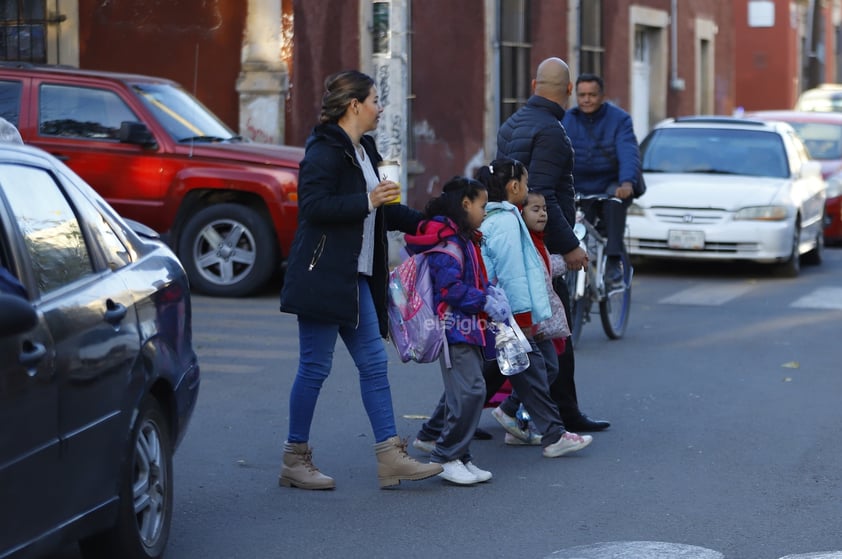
[390, 170]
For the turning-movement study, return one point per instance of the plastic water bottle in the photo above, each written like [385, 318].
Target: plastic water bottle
[397, 293]
[511, 357]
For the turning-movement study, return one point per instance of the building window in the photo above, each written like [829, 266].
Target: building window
[592, 47]
[23, 30]
[515, 46]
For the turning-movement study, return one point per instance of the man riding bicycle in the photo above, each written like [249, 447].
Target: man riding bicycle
[607, 161]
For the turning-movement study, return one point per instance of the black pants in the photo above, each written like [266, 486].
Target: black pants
[612, 223]
[563, 389]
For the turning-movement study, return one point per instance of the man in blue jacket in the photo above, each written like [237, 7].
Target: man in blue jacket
[534, 136]
[607, 160]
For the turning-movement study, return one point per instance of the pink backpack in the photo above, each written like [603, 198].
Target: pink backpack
[414, 325]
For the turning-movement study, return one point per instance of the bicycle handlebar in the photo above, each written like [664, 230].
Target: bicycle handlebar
[578, 197]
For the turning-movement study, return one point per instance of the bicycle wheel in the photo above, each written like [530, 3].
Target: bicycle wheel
[578, 307]
[614, 309]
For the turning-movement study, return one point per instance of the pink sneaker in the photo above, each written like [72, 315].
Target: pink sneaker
[569, 442]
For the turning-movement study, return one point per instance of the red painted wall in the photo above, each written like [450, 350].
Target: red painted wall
[767, 58]
[162, 39]
[831, 48]
[549, 32]
[448, 84]
[327, 40]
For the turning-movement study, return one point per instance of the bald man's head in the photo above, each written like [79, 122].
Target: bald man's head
[552, 81]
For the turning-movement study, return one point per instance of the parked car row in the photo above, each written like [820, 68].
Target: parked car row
[723, 188]
[227, 207]
[821, 133]
[98, 375]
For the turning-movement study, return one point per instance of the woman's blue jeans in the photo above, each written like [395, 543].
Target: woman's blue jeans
[317, 341]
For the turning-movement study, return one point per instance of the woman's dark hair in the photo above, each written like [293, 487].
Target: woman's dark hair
[449, 202]
[497, 175]
[340, 89]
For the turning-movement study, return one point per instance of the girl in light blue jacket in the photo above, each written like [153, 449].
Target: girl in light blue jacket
[513, 263]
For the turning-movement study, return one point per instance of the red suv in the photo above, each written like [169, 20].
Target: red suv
[228, 207]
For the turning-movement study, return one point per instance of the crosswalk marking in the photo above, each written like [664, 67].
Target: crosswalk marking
[659, 550]
[716, 294]
[820, 555]
[821, 298]
[708, 295]
[636, 550]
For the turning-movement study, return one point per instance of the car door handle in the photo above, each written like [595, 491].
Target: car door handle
[115, 312]
[32, 353]
[61, 157]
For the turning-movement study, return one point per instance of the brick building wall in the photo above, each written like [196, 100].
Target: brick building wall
[200, 49]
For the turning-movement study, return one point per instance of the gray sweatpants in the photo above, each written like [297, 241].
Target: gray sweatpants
[458, 412]
[533, 390]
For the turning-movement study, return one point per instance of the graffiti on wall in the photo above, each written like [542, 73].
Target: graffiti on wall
[256, 134]
[390, 131]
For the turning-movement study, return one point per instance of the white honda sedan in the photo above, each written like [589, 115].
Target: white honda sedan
[722, 188]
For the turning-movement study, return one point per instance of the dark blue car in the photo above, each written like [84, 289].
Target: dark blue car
[98, 376]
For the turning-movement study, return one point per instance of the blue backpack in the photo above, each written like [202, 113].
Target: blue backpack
[414, 325]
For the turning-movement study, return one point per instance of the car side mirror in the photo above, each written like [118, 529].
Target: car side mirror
[137, 133]
[17, 315]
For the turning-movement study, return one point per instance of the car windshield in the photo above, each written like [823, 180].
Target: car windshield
[182, 115]
[715, 150]
[823, 141]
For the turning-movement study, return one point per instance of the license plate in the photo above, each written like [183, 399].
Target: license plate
[686, 240]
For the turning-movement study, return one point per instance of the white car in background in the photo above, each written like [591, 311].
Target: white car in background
[722, 188]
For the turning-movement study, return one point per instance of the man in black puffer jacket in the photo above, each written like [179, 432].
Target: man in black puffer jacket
[534, 135]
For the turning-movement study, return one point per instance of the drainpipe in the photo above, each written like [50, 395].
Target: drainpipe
[676, 83]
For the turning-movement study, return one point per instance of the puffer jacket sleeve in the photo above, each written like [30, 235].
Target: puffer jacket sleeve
[552, 175]
[628, 152]
[450, 286]
[502, 252]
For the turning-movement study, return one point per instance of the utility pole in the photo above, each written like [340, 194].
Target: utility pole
[390, 21]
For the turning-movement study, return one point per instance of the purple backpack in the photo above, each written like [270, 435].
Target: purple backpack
[414, 325]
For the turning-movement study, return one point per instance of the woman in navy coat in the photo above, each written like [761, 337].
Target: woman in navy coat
[336, 277]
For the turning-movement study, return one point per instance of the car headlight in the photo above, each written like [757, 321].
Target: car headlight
[834, 186]
[762, 213]
[634, 209]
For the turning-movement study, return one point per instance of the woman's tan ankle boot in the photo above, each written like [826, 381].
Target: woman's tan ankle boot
[394, 464]
[299, 471]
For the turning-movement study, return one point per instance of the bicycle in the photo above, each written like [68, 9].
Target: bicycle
[589, 286]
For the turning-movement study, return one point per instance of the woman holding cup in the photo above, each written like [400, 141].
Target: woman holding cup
[336, 278]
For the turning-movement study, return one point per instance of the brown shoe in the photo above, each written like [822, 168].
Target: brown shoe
[299, 471]
[394, 464]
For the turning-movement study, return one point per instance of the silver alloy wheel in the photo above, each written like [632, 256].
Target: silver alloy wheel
[224, 252]
[150, 484]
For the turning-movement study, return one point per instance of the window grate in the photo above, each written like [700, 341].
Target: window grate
[592, 47]
[23, 31]
[515, 48]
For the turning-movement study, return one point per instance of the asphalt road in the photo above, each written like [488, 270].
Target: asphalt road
[725, 403]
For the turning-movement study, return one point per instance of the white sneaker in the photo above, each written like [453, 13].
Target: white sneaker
[424, 446]
[534, 439]
[481, 475]
[569, 442]
[509, 423]
[456, 472]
